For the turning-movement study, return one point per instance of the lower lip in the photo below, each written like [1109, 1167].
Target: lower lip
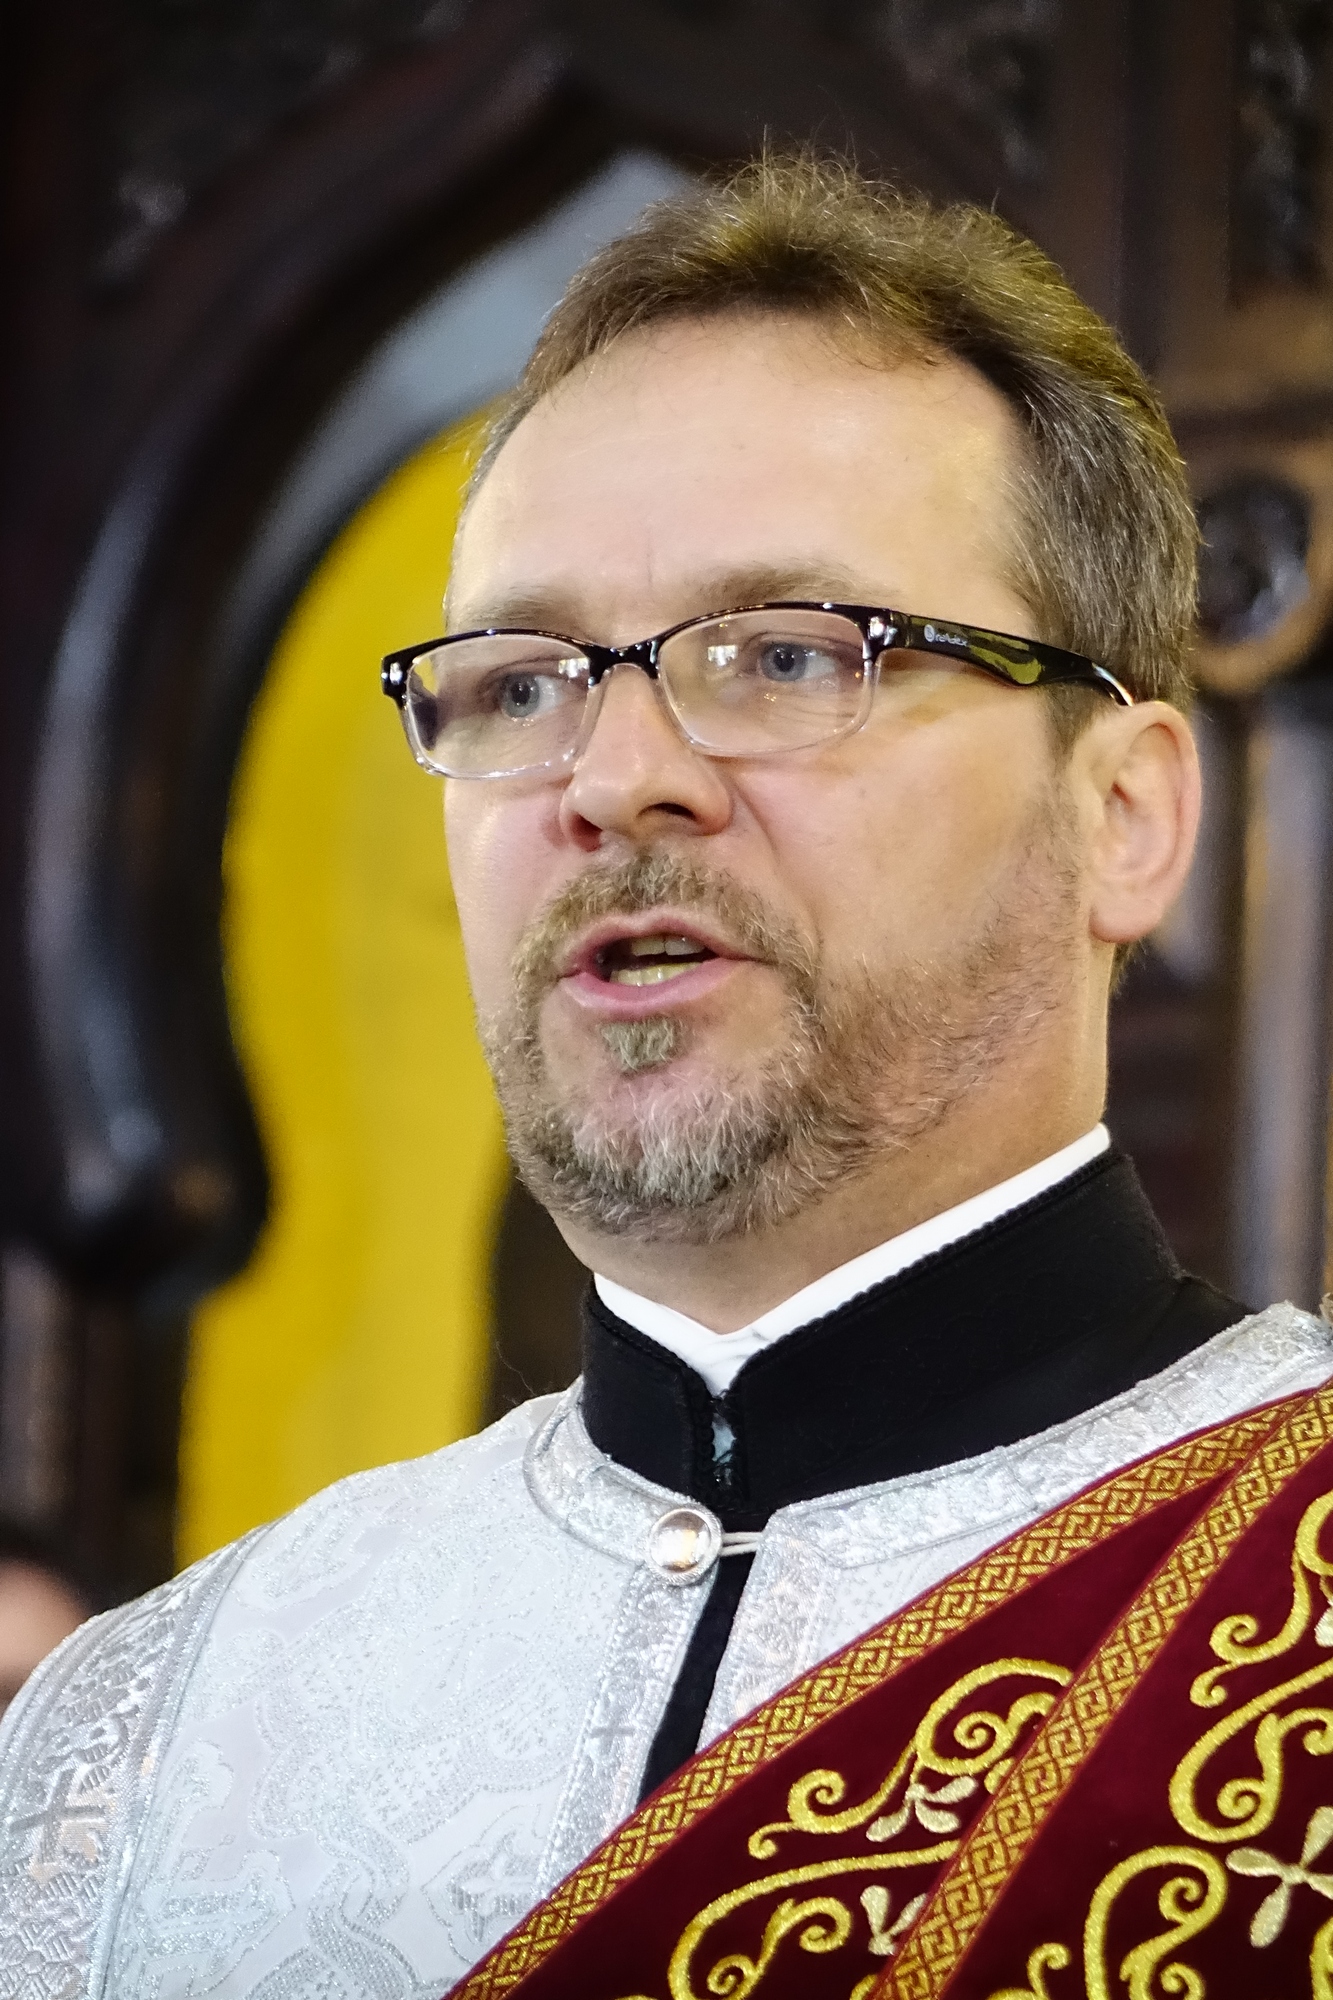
[611, 1000]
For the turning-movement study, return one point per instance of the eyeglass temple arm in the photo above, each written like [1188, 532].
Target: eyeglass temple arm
[1030, 662]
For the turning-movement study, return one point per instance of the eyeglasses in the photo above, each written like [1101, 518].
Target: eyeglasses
[751, 683]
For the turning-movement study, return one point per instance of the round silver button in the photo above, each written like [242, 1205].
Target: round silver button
[684, 1544]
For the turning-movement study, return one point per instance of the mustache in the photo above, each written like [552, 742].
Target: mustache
[646, 880]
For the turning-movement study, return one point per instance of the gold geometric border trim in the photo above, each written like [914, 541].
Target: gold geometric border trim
[1127, 1496]
[1005, 1832]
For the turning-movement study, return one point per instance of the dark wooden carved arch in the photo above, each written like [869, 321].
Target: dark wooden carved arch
[214, 214]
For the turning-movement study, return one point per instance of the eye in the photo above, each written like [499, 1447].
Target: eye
[528, 696]
[789, 661]
[520, 696]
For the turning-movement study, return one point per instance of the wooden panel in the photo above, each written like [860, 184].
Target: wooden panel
[208, 223]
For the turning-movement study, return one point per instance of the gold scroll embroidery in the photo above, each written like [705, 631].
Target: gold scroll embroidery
[1235, 1640]
[820, 1924]
[1009, 1827]
[984, 1739]
[736, 1974]
[1245, 1807]
[1321, 1963]
[956, 1741]
[1188, 1905]
[1046, 1958]
[995, 1578]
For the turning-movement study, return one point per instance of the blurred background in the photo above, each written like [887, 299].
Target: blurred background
[266, 263]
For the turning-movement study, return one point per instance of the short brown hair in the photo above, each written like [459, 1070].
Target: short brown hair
[1106, 560]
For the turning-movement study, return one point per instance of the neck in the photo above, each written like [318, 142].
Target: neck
[987, 1138]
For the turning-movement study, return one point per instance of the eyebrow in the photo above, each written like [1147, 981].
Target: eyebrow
[723, 590]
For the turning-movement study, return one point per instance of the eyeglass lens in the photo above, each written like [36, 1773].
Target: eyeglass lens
[499, 703]
[747, 684]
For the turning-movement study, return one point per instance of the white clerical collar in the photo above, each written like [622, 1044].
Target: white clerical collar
[719, 1357]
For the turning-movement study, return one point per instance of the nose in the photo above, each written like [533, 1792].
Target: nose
[637, 776]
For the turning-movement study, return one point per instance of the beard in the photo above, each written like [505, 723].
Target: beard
[867, 1063]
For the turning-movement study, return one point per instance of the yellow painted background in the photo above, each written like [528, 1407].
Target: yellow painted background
[358, 1333]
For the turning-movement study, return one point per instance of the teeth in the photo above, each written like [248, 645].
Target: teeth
[663, 947]
[645, 975]
[646, 961]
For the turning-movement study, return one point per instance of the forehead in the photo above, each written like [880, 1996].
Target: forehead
[761, 445]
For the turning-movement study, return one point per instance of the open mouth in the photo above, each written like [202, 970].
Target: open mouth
[648, 961]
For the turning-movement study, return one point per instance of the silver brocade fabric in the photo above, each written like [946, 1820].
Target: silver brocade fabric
[338, 1760]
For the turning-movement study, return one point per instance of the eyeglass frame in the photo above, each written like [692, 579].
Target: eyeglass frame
[882, 631]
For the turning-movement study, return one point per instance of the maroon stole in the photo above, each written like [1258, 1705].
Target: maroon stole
[1090, 1766]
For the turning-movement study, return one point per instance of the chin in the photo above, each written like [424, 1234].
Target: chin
[620, 1099]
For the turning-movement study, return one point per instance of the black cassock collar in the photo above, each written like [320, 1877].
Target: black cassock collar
[1053, 1308]
[1044, 1313]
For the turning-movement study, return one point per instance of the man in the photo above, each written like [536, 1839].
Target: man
[812, 720]
[40, 1604]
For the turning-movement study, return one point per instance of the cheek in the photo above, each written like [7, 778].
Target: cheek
[903, 847]
[496, 845]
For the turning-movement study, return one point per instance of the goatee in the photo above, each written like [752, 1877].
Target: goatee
[867, 1063]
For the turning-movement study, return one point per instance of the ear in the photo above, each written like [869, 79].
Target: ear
[1141, 787]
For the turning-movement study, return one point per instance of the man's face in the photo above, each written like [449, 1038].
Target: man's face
[867, 927]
